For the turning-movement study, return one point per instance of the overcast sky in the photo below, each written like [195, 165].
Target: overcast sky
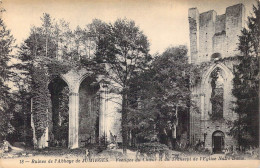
[164, 22]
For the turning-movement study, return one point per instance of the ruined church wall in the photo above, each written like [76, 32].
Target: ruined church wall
[211, 33]
[209, 127]
[201, 122]
[194, 33]
[206, 32]
[220, 23]
[235, 18]
[195, 116]
[80, 105]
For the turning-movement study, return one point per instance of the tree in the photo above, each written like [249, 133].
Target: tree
[246, 84]
[37, 66]
[50, 50]
[249, 41]
[125, 50]
[161, 98]
[6, 46]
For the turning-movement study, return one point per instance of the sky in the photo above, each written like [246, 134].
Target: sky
[164, 22]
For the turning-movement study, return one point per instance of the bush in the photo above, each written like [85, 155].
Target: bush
[102, 145]
[152, 148]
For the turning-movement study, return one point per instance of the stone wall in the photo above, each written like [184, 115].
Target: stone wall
[194, 33]
[209, 127]
[235, 21]
[206, 31]
[200, 122]
[92, 110]
[211, 33]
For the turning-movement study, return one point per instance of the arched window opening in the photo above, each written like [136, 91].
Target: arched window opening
[59, 91]
[217, 94]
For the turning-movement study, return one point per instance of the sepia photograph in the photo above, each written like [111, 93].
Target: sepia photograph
[127, 83]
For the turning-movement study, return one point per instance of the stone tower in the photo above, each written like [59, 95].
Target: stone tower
[212, 34]
[212, 37]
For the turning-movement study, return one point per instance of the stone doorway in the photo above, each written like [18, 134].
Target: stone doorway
[218, 142]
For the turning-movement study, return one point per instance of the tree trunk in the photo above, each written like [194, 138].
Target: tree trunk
[258, 57]
[124, 122]
[33, 127]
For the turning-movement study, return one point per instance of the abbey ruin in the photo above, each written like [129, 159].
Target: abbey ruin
[93, 113]
[213, 37]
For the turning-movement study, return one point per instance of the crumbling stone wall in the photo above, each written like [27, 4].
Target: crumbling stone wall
[85, 101]
[202, 126]
[210, 34]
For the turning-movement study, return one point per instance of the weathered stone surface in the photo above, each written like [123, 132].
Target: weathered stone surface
[84, 102]
[211, 33]
[217, 34]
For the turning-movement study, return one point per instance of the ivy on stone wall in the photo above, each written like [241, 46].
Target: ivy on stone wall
[40, 64]
[216, 96]
[40, 100]
[198, 70]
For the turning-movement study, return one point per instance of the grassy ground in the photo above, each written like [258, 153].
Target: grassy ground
[113, 154]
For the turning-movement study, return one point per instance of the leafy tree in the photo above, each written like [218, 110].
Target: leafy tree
[163, 98]
[249, 41]
[6, 114]
[125, 50]
[246, 83]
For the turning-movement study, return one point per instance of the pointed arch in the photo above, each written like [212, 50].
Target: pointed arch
[206, 91]
[59, 127]
[225, 69]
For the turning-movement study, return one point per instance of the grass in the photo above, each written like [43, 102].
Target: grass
[112, 154]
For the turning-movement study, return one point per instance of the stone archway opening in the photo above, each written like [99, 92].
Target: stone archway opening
[217, 93]
[216, 90]
[218, 142]
[89, 109]
[59, 127]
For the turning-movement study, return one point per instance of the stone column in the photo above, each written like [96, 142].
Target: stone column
[102, 111]
[73, 120]
[202, 106]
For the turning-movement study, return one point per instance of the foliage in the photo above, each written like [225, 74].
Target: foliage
[40, 97]
[197, 71]
[60, 116]
[160, 96]
[124, 49]
[246, 84]
[6, 100]
[217, 98]
[102, 143]
[152, 148]
[249, 41]
[51, 50]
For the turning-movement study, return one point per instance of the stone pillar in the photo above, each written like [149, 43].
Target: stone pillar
[202, 98]
[194, 34]
[102, 111]
[73, 120]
